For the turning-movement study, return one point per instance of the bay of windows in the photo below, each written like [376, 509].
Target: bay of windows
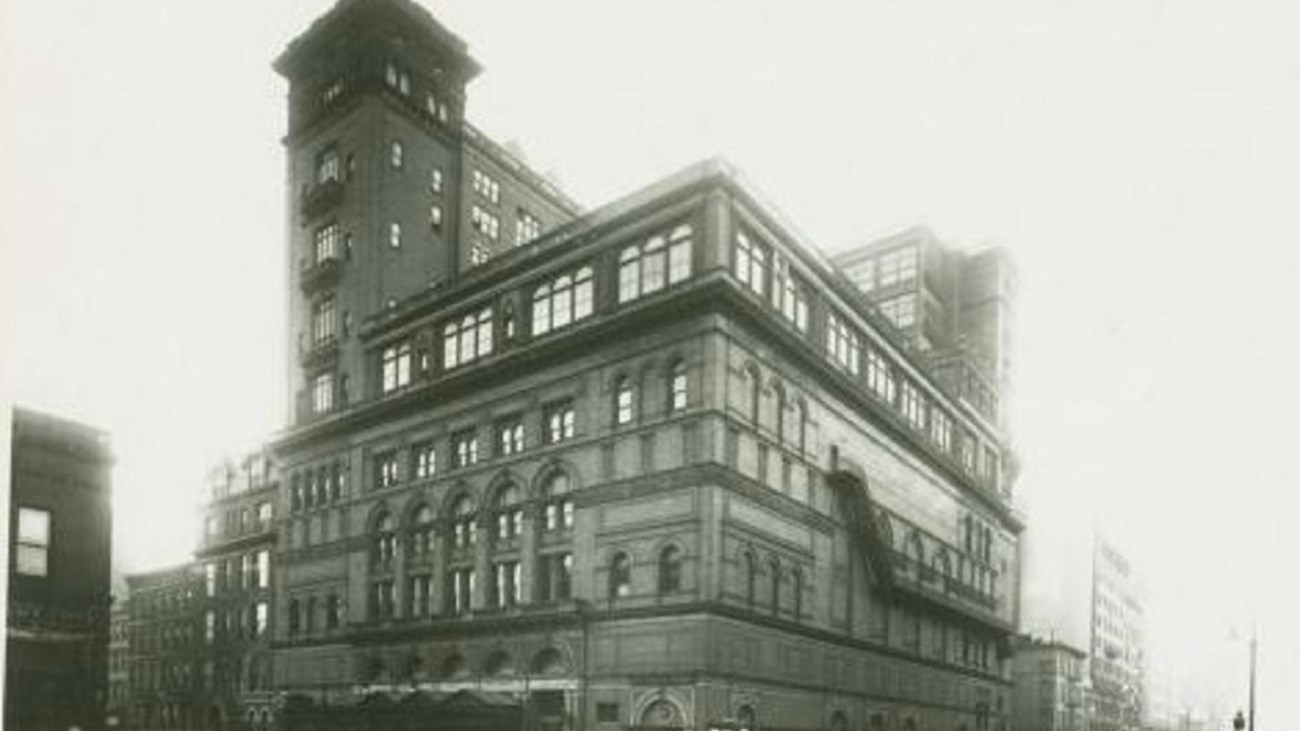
[467, 339]
[395, 365]
[564, 300]
[658, 262]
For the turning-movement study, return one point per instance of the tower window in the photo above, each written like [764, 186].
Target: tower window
[435, 181]
[395, 154]
[395, 235]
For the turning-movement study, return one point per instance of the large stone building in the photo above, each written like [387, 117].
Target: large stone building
[1050, 686]
[659, 464]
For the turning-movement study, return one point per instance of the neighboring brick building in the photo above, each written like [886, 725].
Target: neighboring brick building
[167, 687]
[58, 576]
[1050, 681]
[235, 560]
[656, 465]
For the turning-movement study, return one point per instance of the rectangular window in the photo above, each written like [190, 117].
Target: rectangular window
[425, 459]
[260, 619]
[385, 470]
[527, 227]
[880, 378]
[325, 243]
[941, 429]
[507, 583]
[322, 320]
[750, 259]
[327, 166]
[464, 448]
[322, 393]
[485, 223]
[842, 343]
[900, 311]
[559, 421]
[461, 590]
[510, 436]
[486, 186]
[898, 266]
[395, 367]
[789, 295]
[435, 181]
[395, 154]
[263, 569]
[913, 405]
[555, 577]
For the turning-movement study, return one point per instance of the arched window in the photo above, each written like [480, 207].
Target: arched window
[751, 578]
[385, 541]
[624, 398]
[509, 513]
[677, 393]
[670, 570]
[745, 720]
[620, 575]
[774, 570]
[464, 527]
[421, 544]
[557, 504]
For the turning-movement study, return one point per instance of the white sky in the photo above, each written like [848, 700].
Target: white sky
[1138, 157]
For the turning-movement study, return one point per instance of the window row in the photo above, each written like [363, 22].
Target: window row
[398, 79]
[238, 573]
[762, 270]
[248, 622]
[234, 522]
[309, 615]
[319, 486]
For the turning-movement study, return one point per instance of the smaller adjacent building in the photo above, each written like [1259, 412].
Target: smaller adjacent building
[1050, 686]
[234, 559]
[167, 686]
[60, 533]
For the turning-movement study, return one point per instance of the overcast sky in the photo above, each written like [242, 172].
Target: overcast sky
[1139, 158]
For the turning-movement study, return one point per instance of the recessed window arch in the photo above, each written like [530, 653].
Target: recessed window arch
[509, 512]
[421, 544]
[620, 575]
[557, 502]
[670, 569]
[464, 523]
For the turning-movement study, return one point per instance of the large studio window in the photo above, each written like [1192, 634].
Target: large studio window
[467, 339]
[564, 300]
[658, 262]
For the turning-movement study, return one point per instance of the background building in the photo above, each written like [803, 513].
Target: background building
[119, 663]
[58, 576]
[167, 689]
[1118, 658]
[1051, 689]
[656, 465]
[235, 560]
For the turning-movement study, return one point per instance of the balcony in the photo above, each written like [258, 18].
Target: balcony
[317, 275]
[320, 198]
[324, 352]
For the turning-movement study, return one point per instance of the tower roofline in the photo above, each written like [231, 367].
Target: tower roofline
[348, 14]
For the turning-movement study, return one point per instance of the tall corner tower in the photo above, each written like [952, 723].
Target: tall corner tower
[374, 87]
